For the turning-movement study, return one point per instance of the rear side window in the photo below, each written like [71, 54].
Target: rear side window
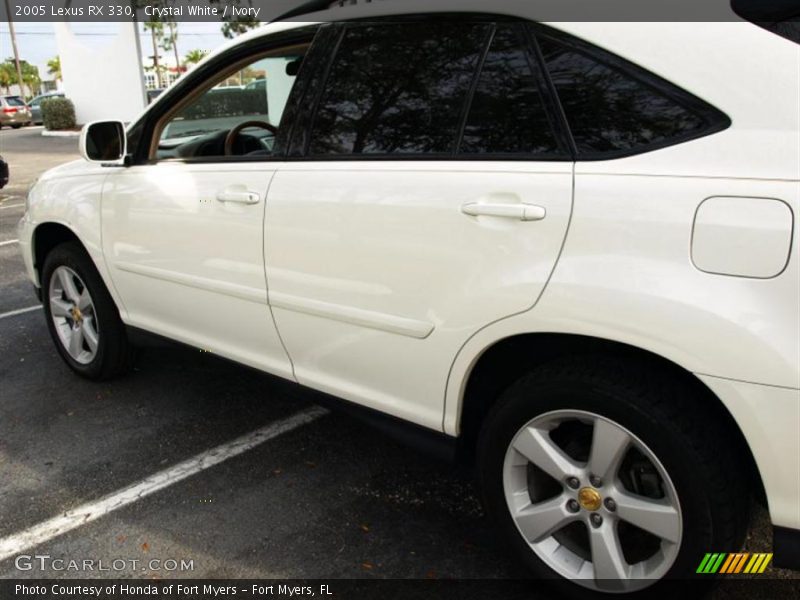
[615, 109]
[509, 114]
[478, 90]
[398, 88]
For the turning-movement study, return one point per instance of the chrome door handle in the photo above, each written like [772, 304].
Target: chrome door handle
[242, 197]
[521, 212]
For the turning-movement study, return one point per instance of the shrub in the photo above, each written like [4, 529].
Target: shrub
[222, 102]
[58, 113]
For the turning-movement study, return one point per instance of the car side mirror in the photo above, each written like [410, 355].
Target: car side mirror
[293, 67]
[103, 142]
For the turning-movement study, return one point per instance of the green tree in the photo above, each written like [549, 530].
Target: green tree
[239, 25]
[164, 36]
[194, 56]
[156, 29]
[169, 41]
[54, 68]
[233, 27]
[8, 76]
[30, 76]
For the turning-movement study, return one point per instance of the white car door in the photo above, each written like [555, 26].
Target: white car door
[183, 234]
[417, 211]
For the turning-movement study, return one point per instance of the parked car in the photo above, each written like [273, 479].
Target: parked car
[4, 173]
[14, 112]
[564, 253]
[36, 106]
[257, 84]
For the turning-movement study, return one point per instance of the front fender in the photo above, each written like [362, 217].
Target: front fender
[71, 200]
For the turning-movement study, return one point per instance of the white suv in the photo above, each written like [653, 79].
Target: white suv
[566, 252]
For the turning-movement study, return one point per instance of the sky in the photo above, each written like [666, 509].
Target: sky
[37, 41]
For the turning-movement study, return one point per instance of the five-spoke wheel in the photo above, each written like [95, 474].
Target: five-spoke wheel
[603, 475]
[73, 314]
[592, 500]
[82, 318]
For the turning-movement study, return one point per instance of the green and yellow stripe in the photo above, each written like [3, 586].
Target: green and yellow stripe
[735, 562]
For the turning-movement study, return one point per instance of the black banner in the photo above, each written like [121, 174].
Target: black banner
[347, 589]
[262, 11]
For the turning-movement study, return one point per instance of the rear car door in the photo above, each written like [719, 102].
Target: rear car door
[427, 193]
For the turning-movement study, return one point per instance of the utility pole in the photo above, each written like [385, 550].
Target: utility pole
[14, 46]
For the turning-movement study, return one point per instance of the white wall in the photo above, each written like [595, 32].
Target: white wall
[103, 83]
[14, 90]
[279, 84]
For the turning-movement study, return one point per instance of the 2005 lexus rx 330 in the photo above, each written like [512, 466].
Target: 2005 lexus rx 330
[567, 252]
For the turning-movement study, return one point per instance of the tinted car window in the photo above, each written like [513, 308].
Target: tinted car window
[508, 114]
[398, 88]
[608, 110]
[15, 101]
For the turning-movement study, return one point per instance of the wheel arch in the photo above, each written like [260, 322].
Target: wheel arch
[47, 236]
[508, 359]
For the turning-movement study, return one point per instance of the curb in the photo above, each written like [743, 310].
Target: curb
[47, 133]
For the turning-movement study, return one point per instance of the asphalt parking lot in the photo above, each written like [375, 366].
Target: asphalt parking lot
[329, 498]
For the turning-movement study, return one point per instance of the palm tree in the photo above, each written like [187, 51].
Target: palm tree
[238, 25]
[169, 41]
[54, 68]
[30, 76]
[8, 75]
[194, 56]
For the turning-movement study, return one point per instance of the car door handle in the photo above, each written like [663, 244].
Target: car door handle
[242, 197]
[521, 212]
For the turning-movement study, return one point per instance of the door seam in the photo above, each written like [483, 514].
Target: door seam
[266, 277]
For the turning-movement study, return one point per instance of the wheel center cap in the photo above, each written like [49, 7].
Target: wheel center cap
[76, 314]
[589, 498]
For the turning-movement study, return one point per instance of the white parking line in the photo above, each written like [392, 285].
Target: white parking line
[72, 519]
[7, 242]
[3, 207]
[19, 311]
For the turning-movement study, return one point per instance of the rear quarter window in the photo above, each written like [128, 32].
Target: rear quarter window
[615, 108]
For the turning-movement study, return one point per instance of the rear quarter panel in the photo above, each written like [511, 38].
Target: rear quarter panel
[626, 273]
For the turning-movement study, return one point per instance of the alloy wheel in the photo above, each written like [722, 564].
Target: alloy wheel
[73, 313]
[592, 501]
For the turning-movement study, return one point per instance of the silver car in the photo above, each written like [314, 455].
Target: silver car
[14, 112]
[36, 106]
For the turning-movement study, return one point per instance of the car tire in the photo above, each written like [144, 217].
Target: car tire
[658, 449]
[81, 315]
[16, 126]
